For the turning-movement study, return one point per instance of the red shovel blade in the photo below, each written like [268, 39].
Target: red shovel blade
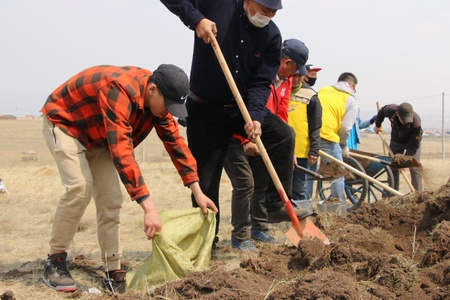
[303, 228]
[309, 230]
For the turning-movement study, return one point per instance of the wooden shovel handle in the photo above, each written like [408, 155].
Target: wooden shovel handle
[363, 175]
[259, 143]
[391, 153]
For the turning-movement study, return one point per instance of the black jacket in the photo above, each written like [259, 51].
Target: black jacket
[410, 135]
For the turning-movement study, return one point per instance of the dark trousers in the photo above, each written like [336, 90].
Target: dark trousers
[209, 130]
[240, 174]
[259, 201]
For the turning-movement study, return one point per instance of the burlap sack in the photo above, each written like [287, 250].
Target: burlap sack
[183, 246]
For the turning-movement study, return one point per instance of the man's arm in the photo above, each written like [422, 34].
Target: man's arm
[314, 113]
[348, 120]
[188, 13]
[386, 111]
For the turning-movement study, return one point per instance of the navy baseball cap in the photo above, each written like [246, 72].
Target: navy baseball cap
[272, 4]
[298, 51]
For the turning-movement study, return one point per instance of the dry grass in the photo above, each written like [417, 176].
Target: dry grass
[34, 189]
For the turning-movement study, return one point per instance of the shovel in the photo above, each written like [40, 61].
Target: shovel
[300, 229]
[314, 175]
[402, 171]
[392, 164]
[363, 175]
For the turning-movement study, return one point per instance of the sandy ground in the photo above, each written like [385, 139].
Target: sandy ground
[397, 248]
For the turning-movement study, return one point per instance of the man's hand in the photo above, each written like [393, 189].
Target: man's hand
[312, 160]
[202, 200]
[345, 151]
[253, 129]
[377, 129]
[152, 222]
[251, 149]
[205, 29]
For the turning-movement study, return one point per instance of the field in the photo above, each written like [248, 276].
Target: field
[394, 249]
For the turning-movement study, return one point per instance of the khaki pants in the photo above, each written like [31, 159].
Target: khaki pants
[85, 174]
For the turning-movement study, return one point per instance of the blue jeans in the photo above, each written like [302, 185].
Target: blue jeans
[301, 186]
[337, 185]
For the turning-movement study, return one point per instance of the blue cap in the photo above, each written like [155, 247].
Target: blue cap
[298, 51]
[272, 4]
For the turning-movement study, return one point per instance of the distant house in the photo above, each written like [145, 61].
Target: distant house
[7, 117]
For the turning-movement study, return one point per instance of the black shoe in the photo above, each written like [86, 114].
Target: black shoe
[116, 281]
[56, 274]
[216, 240]
[281, 215]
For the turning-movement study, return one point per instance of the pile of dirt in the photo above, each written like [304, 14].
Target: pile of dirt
[397, 249]
[333, 170]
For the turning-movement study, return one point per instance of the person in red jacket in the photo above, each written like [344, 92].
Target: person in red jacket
[246, 170]
[92, 123]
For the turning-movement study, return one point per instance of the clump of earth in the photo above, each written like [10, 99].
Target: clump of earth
[395, 249]
[398, 248]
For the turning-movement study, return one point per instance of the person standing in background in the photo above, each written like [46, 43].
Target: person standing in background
[243, 160]
[406, 137]
[354, 137]
[305, 117]
[339, 110]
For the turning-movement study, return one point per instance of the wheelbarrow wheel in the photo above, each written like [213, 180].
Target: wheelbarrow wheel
[355, 188]
[384, 175]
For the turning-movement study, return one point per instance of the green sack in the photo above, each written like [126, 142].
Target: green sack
[183, 246]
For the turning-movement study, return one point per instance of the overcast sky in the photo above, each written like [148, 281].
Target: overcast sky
[399, 50]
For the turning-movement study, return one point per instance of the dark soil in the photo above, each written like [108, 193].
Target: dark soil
[398, 249]
[332, 170]
[395, 249]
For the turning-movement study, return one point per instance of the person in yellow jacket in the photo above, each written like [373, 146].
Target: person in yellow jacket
[305, 117]
[339, 110]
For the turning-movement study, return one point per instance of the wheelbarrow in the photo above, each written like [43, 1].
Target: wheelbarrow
[368, 181]
[312, 174]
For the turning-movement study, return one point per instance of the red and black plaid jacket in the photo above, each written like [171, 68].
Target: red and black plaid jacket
[104, 106]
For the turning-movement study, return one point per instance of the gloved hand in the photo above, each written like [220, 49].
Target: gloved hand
[373, 119]
[345, 152]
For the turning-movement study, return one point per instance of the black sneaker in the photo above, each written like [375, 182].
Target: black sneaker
[56, 274]
[116, 281]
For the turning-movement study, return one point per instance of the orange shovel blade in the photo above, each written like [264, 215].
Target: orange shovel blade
[309, 231]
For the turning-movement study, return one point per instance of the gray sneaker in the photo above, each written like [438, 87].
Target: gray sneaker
[57, 275]
[281, 215]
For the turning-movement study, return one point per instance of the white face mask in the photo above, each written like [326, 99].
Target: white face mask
[258, 19]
